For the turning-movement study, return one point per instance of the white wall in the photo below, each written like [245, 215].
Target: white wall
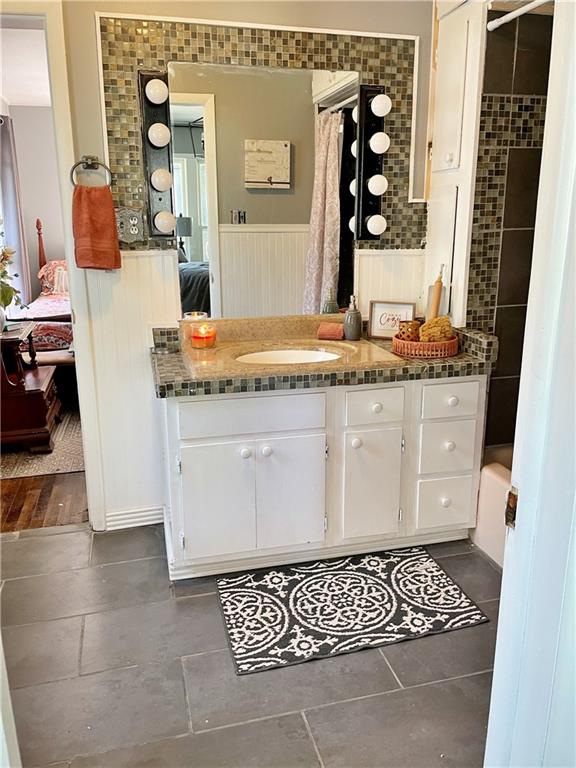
[39, 189]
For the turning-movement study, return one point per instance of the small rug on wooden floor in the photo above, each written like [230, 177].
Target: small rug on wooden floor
[288, 615]
[67, 455]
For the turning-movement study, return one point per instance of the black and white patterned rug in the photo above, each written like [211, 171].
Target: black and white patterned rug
[288, 615]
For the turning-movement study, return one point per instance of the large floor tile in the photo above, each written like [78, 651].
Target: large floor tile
[217, 696]
[84, 591]
[451, 654]
[446, 548]
[130, 544]
[281, 742]
[474, 574]
[32, 556]
[91, 714]
[203, 585]
[42, 652]
[152, 632]
[434, 725]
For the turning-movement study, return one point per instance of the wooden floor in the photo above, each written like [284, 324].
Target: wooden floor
[43, 501]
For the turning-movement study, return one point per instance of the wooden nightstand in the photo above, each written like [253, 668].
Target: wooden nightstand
[30, 404]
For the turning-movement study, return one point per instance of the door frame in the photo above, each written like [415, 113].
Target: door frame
[208, 102]
[532, 708]
[52, 14]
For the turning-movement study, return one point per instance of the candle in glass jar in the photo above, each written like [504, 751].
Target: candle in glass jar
[203, 336]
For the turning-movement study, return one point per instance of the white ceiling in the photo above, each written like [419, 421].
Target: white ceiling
[182, 114]
[24, 68]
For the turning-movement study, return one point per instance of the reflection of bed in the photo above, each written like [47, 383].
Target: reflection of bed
[194, 287]
[51, 309]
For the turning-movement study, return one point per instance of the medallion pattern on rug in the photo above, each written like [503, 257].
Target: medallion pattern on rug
[292, 614]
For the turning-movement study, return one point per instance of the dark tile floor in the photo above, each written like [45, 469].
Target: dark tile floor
[111, 666]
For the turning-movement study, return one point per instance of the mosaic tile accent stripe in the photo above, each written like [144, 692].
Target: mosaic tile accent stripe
[528, 114]
[129, 45]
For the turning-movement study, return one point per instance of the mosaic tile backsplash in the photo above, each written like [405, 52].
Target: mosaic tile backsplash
[129, 45]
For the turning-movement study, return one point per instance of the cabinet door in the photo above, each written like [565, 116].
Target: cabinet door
[453, 33]
[218, 498]
[290, 490]
[372, 461]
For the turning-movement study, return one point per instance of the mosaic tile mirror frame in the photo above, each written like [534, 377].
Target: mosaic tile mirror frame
[130, 44]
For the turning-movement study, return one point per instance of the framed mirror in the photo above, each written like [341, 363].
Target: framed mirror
[250, 147]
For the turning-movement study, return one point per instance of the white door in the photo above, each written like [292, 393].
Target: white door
[218, 498]
[372, 482]
[290, 490]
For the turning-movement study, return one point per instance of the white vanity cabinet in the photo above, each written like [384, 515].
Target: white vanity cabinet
[451, 427]
[261, 479]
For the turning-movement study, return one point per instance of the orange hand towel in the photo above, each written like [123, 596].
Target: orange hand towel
[94, 226]
[330, 331]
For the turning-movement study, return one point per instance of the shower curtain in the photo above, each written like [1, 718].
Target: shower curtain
[11, 211]
[322, 259]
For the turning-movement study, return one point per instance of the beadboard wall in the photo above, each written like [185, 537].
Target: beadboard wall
[262, 269]
[124, 305]
[389, 275]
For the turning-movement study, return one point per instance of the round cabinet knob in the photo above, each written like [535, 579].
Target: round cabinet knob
[377, 408]
[267, 451]
[453, 401]
[356, 442]
[445, 501]
[245, 453]
[450, 445]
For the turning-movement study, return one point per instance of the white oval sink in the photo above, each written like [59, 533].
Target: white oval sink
[288, 357]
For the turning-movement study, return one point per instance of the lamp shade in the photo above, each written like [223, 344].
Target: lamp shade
[184, 226]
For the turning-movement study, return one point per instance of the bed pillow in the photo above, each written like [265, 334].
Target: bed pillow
[54, 277]
[52, 335]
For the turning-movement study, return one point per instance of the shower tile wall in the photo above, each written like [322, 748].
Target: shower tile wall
[509, 153]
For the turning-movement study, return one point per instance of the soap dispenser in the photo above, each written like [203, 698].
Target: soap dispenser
[352, 321]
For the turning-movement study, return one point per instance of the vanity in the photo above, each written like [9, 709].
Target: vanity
[270, 463]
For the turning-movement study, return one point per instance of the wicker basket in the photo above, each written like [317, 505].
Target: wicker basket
[427, 349]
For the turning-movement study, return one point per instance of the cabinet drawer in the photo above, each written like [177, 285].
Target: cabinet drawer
[374, 406]
[247, 416]
[445, 501]
[447, 446]
[445, 401]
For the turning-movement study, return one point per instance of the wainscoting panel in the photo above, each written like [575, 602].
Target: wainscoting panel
[262, 269]
[123, 306]
[389, 275]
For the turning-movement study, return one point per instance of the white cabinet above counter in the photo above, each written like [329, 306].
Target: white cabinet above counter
[268, 478]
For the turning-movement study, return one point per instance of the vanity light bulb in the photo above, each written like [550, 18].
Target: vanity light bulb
[354, 148]
[352, 187]
[377, 184]
[376, 225]
[156, 91]
[165, 221]
[352, 224]
[161, 179]
[355, 114]
[381, 105]
[159, 134]
[379, 142]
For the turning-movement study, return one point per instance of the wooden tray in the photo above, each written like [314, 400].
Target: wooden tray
[426, 349]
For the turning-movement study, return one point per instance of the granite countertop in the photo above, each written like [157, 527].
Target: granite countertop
[180, 371]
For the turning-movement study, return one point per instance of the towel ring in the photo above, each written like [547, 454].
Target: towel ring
[89, 163]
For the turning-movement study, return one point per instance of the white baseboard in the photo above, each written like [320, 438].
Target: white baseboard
[132, 518]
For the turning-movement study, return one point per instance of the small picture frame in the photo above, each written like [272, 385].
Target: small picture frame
[385, 317]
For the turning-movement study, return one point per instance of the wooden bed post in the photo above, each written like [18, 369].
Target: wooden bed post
[41, 251]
